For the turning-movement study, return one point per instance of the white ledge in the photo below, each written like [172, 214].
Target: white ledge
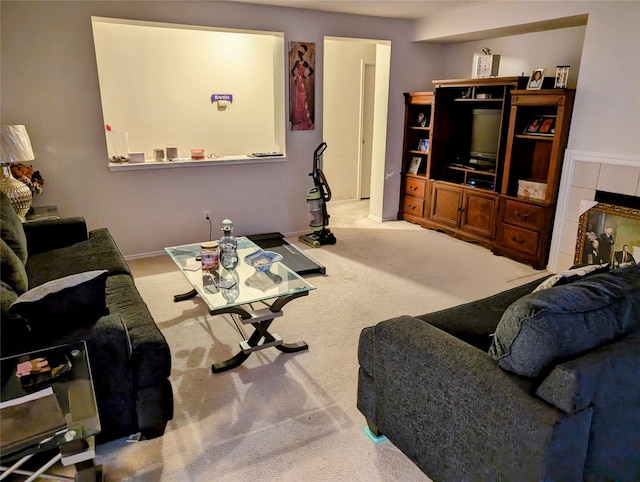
[188, 162]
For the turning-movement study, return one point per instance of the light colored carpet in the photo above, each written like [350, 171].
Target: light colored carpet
[293, 416]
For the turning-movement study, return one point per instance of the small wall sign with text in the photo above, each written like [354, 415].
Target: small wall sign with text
[223, 100]
[223, 97]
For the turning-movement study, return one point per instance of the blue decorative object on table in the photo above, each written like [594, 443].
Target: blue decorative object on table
[262, 260]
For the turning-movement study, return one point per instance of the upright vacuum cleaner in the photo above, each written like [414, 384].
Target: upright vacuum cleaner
[317, 198]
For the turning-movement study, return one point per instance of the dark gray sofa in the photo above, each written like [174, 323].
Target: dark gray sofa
[130, 358]
[553, 395]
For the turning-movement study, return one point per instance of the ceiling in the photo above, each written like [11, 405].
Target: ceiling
[377, 8]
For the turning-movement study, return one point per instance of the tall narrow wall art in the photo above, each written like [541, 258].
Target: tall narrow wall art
[302, 85]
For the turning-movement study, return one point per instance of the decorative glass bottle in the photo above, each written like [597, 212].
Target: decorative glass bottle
[228, 246]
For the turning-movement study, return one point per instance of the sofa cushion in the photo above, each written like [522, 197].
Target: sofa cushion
[98, 252]
[475, 322]
[553, 325]
[12, 269]
[573, 274]
[150, 350]
[366, 349]
[11, 229]
[71, 300]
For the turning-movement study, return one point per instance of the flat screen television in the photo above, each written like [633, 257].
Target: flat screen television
[485, 133]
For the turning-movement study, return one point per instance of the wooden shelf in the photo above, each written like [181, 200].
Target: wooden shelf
[474, 171]
[535, 137]
[418, 109]
[478, 205]
[500, 99]
[537, 158]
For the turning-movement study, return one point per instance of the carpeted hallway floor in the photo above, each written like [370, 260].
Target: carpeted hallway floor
[293, 416]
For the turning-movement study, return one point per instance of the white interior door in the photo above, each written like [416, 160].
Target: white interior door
[366, 135]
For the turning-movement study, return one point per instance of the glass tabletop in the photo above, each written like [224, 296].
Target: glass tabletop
[243, 285]
[71, 382]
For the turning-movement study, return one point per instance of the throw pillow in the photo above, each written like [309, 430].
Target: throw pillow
[11, 229]
[544, 328]
[14, 329]
[79, 298]
[12, 269]
[573, 274]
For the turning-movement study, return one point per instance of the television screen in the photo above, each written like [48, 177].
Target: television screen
[485, 133]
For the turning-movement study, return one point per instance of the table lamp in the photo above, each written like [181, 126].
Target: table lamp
[15, 146]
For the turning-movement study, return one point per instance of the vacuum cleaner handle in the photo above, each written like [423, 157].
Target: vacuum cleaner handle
[319, 150]
[321, 182]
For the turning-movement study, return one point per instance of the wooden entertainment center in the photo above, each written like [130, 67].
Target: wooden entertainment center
[482, 160]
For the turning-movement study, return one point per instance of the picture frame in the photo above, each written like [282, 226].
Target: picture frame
[547, 125]
[485, 65]
[625, 230]
[302, 85]
[541, 125]
[421, 120]
[536, 79]
[423, 145]
[414, 166]
[562, 77]
[533, 125]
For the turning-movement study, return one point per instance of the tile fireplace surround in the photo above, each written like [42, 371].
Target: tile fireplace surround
[583, 174]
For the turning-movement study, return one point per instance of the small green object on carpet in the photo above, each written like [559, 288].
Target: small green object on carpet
[374, 439]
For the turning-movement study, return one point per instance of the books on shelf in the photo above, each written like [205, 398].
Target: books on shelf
[29, 420]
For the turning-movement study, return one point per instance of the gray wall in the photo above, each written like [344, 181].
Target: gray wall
[49, 83]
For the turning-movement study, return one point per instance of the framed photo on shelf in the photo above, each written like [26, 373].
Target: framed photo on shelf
[533, 125]
[423, 145]
[415, 164]
[536, 78]
[421, 120]
[623, 225]
[547, 125]
[541, 125]
[562, 77]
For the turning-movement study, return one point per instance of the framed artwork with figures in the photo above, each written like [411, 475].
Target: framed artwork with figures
[617, 224]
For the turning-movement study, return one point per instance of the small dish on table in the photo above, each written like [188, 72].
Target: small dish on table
[262, 260]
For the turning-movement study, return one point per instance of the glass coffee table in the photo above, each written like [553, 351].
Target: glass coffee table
[30, 425]
[237, 291]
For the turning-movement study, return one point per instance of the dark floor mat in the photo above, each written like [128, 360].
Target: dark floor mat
[292, 256]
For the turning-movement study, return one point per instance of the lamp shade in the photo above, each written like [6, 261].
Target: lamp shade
[15, 145]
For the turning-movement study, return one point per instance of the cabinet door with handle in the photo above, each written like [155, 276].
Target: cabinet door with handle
[479, 211]
[446, 204]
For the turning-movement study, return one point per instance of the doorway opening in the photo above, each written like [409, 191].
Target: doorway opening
[355, 104]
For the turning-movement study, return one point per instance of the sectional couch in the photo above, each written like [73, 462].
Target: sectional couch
[540, 382]
[62, 283]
